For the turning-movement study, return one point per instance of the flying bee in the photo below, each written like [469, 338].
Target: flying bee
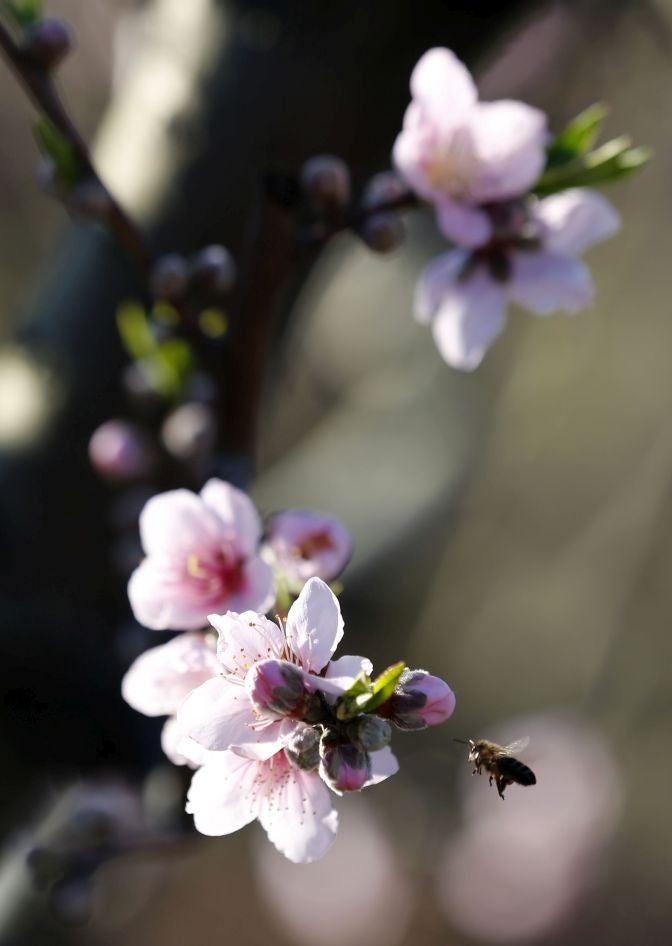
[500, 763]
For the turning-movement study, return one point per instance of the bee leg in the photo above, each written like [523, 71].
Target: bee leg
[501, 785]
[490, 780]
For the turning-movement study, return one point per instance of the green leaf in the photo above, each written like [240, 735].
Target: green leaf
[384, 685]
[612, 161]
[350, 702]
[24, 12]
[61, 152]
[135, 330]
[578, 137]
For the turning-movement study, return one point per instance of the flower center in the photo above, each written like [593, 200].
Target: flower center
[317, 542]
[218, 575]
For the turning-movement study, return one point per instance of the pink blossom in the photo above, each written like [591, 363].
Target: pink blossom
[459, 153]
[420, 700]
[293, 805]
[303, 544]
[119, 451]
[344, 767]
[532, 262]
[202, 556]
[221, 714]
[159, 680]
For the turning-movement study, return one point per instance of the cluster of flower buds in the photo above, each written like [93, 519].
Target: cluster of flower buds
[211, 272]
[270, 720]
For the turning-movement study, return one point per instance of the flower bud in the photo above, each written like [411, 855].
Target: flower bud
[420, 700]
[344, 767]
[170, 277]
[303, 748]
[47, 42]
[382, 232]
[89, 200]
[189, 432]
[326, 181]
[276, 687]
[383, 188]
[119, 451]
[214, 269]
[369, 733]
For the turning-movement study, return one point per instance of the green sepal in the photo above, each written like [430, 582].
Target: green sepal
[366, 695]
[24, 12]
[135, 331]
[578, 137]
[612, 161]
[61, 152]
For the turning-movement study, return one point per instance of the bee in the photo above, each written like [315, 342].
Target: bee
[500, 763]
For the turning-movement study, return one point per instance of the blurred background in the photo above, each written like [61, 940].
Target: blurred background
[513, 528]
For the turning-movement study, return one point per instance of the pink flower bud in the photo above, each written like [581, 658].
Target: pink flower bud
[326, 180]
[276, 687]
[370, 733]
[170, 277]
[214, 270]
[119, 451]
[47, 42]
[344, 767]
[382, 232]
[419, 701]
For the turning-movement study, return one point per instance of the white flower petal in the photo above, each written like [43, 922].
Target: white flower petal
[158, 680]
[467, 226]
[298, 816]
[177, 523]
[236, 510]
[383, 764]
[509, 145]
[218, 715]
[544, 282]
[471, 316]
[443, 85]
[436, 280]
[246, 638]
[314, 625]
[575, 219]
[348, 666]
[222, 797]
[257, 590]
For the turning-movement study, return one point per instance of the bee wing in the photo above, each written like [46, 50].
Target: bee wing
[519, 745]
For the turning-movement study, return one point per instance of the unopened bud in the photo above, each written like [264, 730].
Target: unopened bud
[344, 767]
[276, 687]
[303, 748]
[189, 432]
[326, 180]
[383, 188]
[420, 700]
[47, 42]
[119, 451]
[382, 232]
[170, 277]
[213, 268]
[370, 733]
[89, 200]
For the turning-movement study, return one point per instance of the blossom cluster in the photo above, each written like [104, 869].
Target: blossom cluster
[272, 722]
[478, 163]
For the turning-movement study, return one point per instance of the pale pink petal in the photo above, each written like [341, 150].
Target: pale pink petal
[383, 764]
[314, 625]
[172, 740]
[467, 226]
[219, 715]
[575, 219]
[306, 544]
[246, 638]
[223, 797]
[177, 523]
[437, 278]
[415, 150]
[348, 666]
[443, 85]
[236, 510]
[158, 680]
[297, 814]
[544, 282]
[471, 316]
[257, 589]
[509, 146]
[164, 597]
